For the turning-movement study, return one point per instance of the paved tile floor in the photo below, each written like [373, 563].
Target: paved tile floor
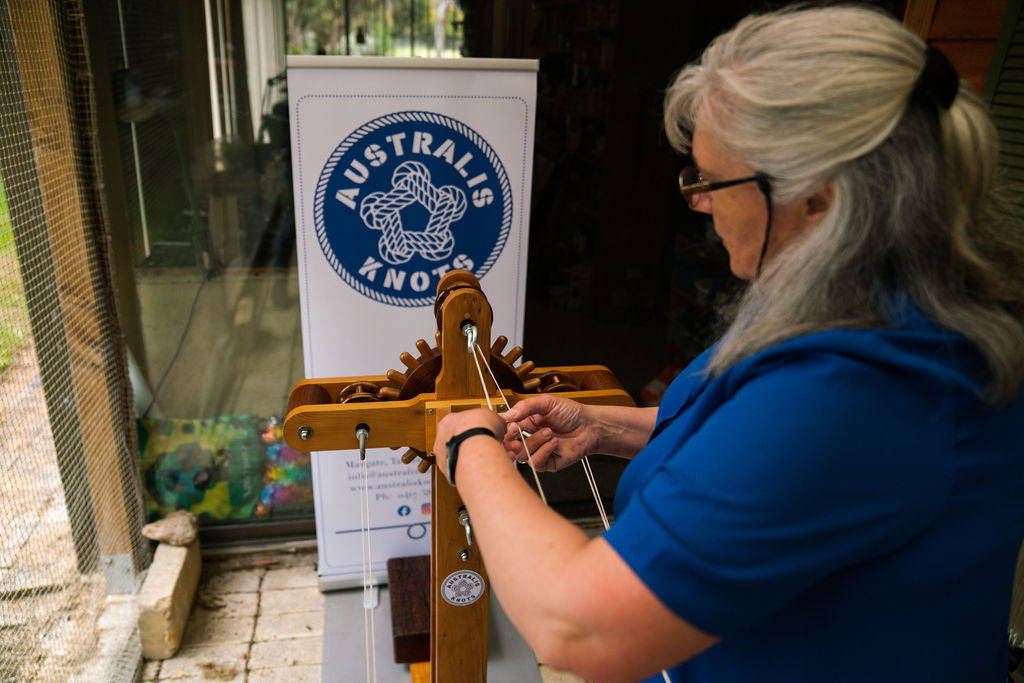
[258, 617]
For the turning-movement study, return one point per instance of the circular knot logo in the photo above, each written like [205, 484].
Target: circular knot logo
[463, 587]
[383, 211]
[407, 197]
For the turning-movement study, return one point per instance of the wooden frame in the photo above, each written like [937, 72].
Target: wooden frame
[458, 634]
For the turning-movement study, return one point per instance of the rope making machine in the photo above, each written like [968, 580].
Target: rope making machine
[402, 409]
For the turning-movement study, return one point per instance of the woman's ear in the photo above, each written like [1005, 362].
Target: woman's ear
[818, 204]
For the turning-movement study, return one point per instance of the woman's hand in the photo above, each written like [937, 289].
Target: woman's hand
[456, 423]
[561, 431]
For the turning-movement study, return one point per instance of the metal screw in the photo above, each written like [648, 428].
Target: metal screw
[305, 433]
[430, 411]
[502, 408]
[465, 554]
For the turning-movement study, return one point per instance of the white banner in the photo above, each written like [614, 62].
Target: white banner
[403, 169]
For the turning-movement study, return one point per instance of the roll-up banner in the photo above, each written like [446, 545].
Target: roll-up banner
[403, 169]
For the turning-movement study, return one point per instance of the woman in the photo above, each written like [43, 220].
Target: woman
[833, 491]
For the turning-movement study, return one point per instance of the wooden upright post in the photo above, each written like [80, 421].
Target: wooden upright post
[459, 588]
[69, 292]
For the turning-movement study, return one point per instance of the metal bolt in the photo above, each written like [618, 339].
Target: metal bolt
[464, 521]
[362, 433]
[470, 332]
[305, 433]
[465, 554]
[430, 411]
[502, 408]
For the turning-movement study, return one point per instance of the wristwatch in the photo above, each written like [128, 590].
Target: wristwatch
[452, 447]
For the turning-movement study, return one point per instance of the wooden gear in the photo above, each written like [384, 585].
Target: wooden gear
[403, 409]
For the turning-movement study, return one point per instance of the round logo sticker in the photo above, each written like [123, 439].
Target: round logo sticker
[407, 197]
[463, 587]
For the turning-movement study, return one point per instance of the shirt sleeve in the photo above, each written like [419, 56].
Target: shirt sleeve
[800, 471]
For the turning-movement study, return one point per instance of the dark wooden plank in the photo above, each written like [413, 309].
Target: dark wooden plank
[409, 586]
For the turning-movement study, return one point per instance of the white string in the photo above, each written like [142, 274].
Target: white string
[483, 384]
[366, 566]
[522, 437]
[369, 630]
[593, 489]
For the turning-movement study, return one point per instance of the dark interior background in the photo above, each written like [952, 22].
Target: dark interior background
[621, 273]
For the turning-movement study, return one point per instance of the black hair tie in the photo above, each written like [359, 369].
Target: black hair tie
[938, 81]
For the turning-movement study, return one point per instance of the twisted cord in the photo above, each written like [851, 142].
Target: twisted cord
[369, 630]
[522, 436]
[593, 489]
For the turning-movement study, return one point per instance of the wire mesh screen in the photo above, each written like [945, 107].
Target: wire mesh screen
[70, 551]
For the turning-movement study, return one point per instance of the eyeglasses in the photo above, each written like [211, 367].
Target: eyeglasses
[693, 186]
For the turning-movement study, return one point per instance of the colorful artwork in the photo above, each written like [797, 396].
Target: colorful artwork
[223, 469]
[288, 480]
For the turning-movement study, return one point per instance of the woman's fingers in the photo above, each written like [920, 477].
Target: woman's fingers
[543, 456]
[530, 410]
[542, 449]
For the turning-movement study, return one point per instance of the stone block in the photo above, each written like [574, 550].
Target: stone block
[166, 598]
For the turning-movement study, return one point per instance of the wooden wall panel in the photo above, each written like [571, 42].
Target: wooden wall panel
[970, 57]
[965, 31]
[974, 20]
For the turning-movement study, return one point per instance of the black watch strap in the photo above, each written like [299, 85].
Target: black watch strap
[452, 447]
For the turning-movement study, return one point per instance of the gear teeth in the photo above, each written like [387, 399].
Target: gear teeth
[531, 385]
[425, 461]
[499, 345]
[515, 354]
[396, 376]
[423, 347]
[525, 369]
[408, 360]
[437, 339]
[388, 394]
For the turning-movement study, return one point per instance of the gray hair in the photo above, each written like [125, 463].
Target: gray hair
[811, 96]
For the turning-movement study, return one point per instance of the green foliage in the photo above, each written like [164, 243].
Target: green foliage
[397, 28]
[14, 326]
[6, 234]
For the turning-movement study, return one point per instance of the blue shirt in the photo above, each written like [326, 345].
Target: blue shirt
[842, 506]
